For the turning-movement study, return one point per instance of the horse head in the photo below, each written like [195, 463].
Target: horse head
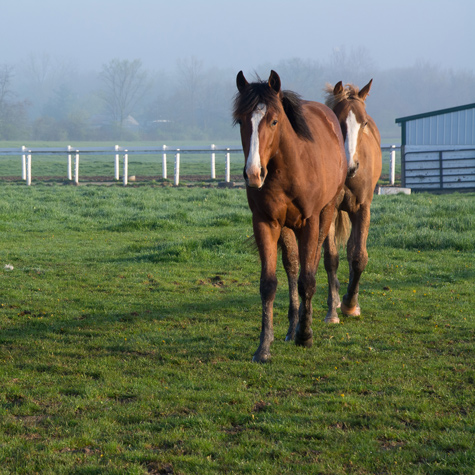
[258, 110]
[348, 103]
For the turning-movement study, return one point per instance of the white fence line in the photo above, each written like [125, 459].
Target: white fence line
[117, 151]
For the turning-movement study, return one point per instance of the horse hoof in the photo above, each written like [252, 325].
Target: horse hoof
[351, 311]
[290, 337]
[305, 342]
[332, 319]
[261, 358]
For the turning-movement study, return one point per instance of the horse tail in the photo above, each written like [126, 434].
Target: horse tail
[342, 228]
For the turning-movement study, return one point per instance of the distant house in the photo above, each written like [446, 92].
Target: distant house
[130, 123]
[102, 120]
[438, 149]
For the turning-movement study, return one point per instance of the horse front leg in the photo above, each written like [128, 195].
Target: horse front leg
[309, 254]
[290, 259]
[357, 259]
[310, 247]
[266, 236]
[331, 261]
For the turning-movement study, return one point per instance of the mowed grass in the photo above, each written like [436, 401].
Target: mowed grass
[130, 316]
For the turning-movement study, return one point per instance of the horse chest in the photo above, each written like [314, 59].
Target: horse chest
[295, 217]
[288, 209]
[277, 208]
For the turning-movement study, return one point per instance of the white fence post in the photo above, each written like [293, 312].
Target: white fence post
[228, 166]
[116, 165]
[392, 165]
[126, 167]
[70, 173]
[23, 163]
[28, 168]
[164, 163]
[177, 167]
[76, 168]
[213, 162]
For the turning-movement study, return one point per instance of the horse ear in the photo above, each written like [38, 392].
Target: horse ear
[365, 91]
[338, 89]
[241, 81]
[274, 81]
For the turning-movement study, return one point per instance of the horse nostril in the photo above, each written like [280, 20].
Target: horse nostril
[244, 174]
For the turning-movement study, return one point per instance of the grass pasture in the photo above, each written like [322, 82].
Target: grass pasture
[129, 318]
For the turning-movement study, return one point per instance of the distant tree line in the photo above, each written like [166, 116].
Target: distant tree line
[48, 100]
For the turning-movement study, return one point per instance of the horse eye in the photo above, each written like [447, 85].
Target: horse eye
[274, 122]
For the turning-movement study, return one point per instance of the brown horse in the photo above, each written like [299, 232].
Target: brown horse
[363, 154]
[295, 169]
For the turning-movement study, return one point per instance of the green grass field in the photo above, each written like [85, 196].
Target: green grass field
[129, 316]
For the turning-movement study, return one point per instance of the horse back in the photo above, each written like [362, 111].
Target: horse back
[324, 122]
[327, 148]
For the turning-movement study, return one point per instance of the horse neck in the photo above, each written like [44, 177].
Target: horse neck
[374, 131]
[288, 141]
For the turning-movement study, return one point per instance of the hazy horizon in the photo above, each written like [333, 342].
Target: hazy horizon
[239, 35]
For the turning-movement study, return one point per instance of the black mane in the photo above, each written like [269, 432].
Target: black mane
[292, 104]
[256, 93]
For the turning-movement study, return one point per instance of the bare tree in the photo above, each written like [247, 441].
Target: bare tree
[13, 115]
[39, 68]
[354, 66]
[40, 75]
[191, 75]
[6, 75]
[124, 84]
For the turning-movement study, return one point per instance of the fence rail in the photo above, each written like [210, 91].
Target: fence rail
[117, 152]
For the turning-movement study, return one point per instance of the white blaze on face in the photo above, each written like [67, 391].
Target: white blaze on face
[352, 129]
[254, 159]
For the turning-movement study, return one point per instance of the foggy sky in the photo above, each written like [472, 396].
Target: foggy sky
[239, 34]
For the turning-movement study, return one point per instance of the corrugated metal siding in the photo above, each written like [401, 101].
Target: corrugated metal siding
[439, 169]
[454, 128]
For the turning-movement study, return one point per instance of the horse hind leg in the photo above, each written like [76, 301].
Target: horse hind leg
[290, 260]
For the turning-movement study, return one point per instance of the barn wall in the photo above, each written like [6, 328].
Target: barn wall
[438, 149]
[454, 128]
[439, 167]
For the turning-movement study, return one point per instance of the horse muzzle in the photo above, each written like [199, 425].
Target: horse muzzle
[352, 170]
[255, 177]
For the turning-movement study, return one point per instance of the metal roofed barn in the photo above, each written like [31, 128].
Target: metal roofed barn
[438, 150]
